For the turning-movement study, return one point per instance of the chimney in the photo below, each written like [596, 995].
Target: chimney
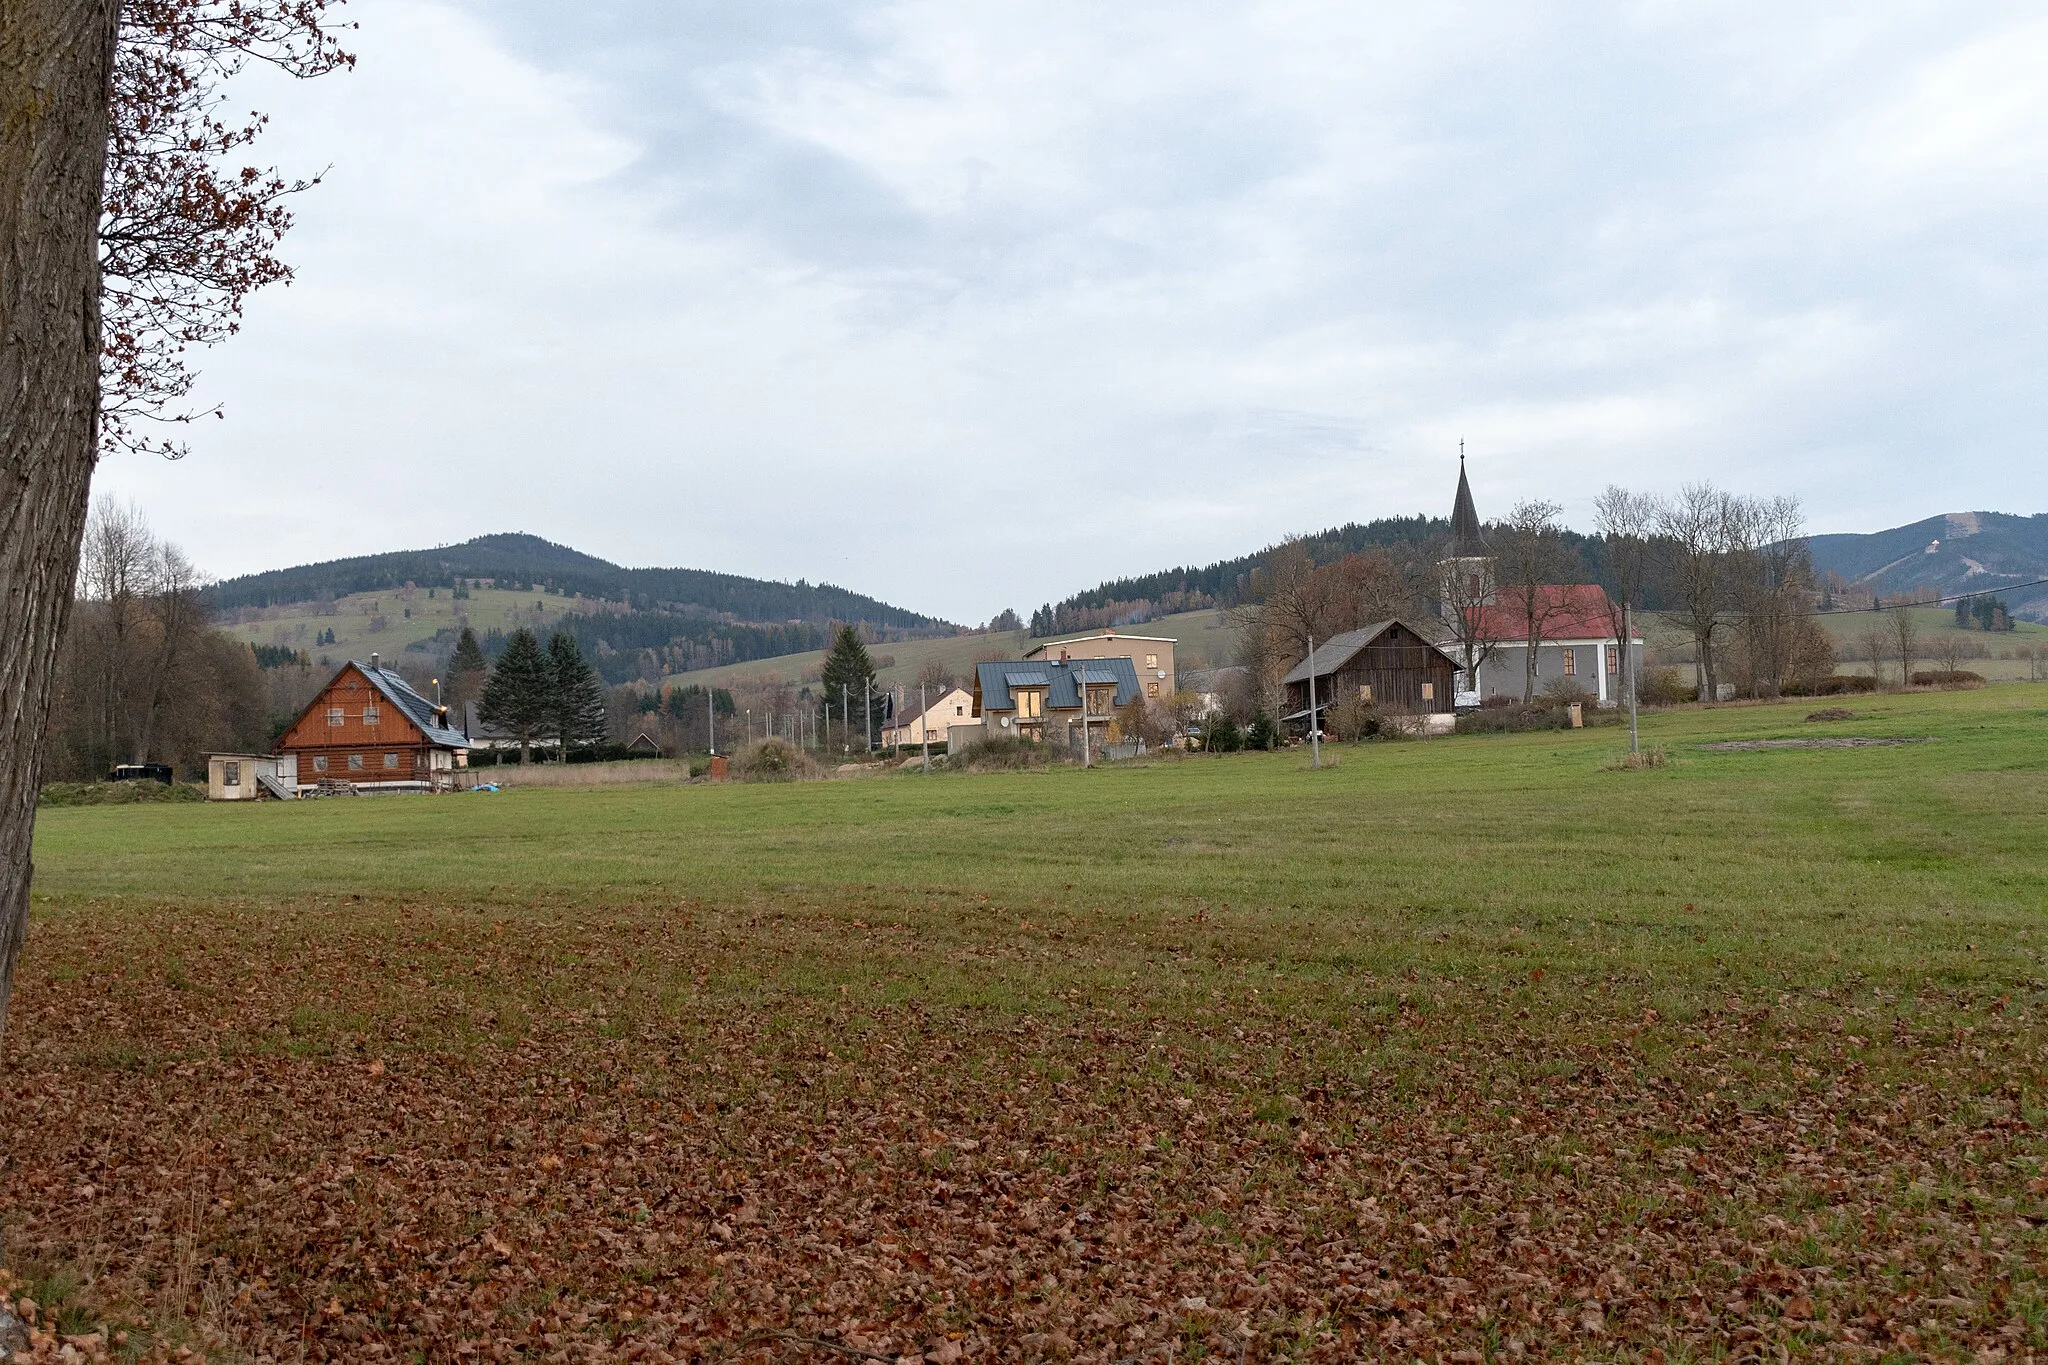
[373, 662]
[1063, 653]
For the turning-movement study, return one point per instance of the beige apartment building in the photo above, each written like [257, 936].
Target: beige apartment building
[1151, 655]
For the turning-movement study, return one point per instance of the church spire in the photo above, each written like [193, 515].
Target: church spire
[1467, 541]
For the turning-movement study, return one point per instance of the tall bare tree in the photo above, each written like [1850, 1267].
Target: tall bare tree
[1626, 522]
[1465, 588]
[1770, 572]
[1531, 562]
[1905, 633]
[56, 64]
[1695, 527]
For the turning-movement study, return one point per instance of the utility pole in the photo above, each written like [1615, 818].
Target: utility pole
[924, 734]
[867, 712]
[1081, 673]
[845, 721]
[1315, 729]
[711, 718]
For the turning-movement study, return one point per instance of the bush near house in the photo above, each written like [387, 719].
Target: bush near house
[1004, 752]
[1664, 687]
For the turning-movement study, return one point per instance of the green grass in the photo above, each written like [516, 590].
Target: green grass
[1415, 1051]
[1773, 865]
[352, 618]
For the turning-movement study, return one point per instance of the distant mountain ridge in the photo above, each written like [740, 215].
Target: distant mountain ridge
[1957, 552]
[529, 561]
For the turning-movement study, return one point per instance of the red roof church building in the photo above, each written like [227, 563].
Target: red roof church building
[1576, 626]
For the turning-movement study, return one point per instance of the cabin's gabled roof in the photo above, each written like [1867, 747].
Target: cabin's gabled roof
[1332, 654]
[417, 708]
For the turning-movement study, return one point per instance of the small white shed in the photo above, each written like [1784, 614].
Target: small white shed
[241, 777]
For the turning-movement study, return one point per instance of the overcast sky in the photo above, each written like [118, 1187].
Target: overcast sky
[970, 306]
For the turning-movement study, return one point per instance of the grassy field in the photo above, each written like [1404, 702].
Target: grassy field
[406, 617]
[1458, 1049]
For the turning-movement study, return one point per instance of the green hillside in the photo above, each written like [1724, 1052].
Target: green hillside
[526, 563]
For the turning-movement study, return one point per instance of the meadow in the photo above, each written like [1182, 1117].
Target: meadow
[1457, 1049]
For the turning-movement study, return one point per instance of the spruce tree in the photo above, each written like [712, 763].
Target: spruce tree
[847, 667]
[578, 695]
[519, 698]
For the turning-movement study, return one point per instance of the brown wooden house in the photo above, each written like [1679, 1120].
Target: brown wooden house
[368, 727]
[1390, 664]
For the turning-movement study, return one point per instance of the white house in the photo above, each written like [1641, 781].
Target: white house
[942, 710]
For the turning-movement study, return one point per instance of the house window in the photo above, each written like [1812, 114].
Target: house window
[1152, 689]
[334, 715]
[371, 715]
[1571, 663]
[1365, 691]
[391, 760]
[355, 763]
[959, 710]
[1429, 691]
[1030, 704]
[1472, 585]
[1614, 661]
[1151, 661]
[320, 763]
[231, 774]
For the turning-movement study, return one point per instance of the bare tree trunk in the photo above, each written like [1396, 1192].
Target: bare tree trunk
[56, 62]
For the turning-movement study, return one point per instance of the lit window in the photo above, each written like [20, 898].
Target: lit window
[355, 763]
[371, 715]
[1151, 661]
[231, 774]
[391, 760]
[334, 715]
[320, 763]
[1152, 689]
[1571, 663]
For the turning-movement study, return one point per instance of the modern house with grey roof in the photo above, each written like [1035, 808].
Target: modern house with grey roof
[1042, 699]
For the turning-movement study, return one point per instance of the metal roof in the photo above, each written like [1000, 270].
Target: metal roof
[417, 708]
[1061, 681]
[1467, 541]
[1337, 651]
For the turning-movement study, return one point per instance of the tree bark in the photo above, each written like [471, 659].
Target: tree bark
[56, 64]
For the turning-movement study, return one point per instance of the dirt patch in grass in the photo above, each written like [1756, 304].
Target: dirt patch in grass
[1831, 713]
[381, 1130]
[1831, 742]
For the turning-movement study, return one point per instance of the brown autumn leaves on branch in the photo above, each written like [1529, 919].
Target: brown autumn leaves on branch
[186, 235]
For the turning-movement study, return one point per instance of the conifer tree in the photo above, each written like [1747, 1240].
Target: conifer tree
[578, 695]
[466, 669]
[520, 696]
[847, 671]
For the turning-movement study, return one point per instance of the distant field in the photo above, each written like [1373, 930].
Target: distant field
[354, 620]
[1468, 1045]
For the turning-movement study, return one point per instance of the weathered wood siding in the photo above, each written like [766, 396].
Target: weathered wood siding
[1395, 666]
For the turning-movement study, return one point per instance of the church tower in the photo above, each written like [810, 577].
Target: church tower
[1468, 568]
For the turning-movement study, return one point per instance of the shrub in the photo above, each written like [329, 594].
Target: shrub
[1352, 718]
[118, 793]
[775, 760]
[1664, 687]
[1539, 715]
[1220, 734]
[1565, 691]
[1262, 733]
[1000, 754]
[1947, 677]
[1651, 756]
[1832, 685]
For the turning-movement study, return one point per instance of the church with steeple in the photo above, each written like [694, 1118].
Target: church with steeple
[1575, 628]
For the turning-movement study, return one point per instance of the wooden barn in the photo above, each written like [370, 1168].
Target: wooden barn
[1390, 664]
[370, 729]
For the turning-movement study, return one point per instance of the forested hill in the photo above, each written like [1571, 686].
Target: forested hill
[528, 563]
[1957, 553]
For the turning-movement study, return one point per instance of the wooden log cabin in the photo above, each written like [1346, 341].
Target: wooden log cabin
[369, 728]
[1391, 664]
